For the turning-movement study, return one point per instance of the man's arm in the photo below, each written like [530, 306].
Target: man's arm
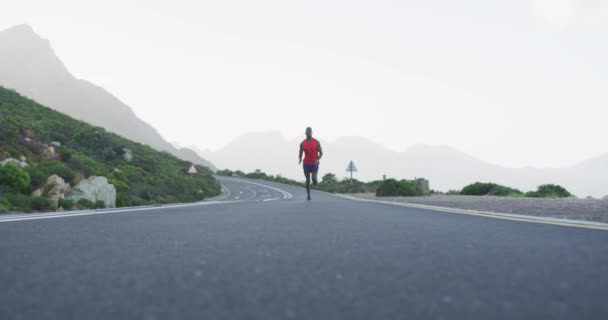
[301, 152]
[320, 153]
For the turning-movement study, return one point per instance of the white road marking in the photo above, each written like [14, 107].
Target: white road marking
[22, 217]
[504, 216]
[270, 199]
[254, 193]
[286, 195]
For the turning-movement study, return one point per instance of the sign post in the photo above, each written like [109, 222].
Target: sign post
[351, 168]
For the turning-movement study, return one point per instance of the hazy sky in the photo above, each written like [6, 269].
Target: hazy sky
[517, 82]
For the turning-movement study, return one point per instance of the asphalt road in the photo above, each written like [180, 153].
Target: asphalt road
[266, 253]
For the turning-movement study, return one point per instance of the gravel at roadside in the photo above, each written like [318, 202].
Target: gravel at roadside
[578, 209]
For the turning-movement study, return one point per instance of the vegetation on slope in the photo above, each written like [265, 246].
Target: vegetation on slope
[150, 177]
[493, 189]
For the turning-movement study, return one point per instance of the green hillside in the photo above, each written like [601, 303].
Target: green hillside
[27, 130]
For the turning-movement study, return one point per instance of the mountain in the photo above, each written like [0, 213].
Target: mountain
[445, 167]
[44, 142]
[29, 65]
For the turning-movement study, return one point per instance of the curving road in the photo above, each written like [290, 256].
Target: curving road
[263, 252]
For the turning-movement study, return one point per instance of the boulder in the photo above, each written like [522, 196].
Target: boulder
[95, 189]
[56, 144]
[14, 161]
[55, 188]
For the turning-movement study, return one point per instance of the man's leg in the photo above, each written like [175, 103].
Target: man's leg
[307, 174]
[314, 177]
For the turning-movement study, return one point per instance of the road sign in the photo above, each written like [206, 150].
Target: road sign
[192, 170]
[351, 167]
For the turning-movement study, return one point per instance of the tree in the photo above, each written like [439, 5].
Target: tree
[329, 178]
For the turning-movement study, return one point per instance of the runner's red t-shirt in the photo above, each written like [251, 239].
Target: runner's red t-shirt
[311, 151]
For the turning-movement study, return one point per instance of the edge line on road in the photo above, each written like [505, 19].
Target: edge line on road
[503, 216]
[21, 217]
[286, 195]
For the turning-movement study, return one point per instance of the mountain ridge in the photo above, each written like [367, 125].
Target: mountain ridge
[446, 167]
[29, 65]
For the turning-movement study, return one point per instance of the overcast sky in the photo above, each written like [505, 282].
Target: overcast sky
[517, 82]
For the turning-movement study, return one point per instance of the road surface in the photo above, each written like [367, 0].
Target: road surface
[266, 253]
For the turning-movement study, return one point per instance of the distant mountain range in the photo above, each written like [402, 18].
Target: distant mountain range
[29, 65]
[445, 167]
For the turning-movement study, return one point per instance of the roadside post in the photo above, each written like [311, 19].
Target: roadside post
[351, 168]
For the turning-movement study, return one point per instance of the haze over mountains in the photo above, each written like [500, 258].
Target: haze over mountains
[445, 167]
[29, 65]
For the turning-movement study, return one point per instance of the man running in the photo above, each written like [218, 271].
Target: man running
[312, 148]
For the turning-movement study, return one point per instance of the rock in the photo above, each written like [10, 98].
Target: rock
[590, 198]
[14, 161]
[55, 185]
[56, 144]
[55, 188]
[128, 156]
[28, 134]
[37, 193]
[49, 152]
[22, 158]
[95, 189]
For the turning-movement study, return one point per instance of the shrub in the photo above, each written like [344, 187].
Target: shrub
[20, 202]
[5, 206]
[549, 191]
[100, 204]
[503, 191]
[41, 204]
[257, 174]
[225, 172]
[85, 204]
[66, 204]
[14, 179]
[66, 154]
[392, 187]
[49, 168]
[329, 178]
[478, 189]
[37, 177]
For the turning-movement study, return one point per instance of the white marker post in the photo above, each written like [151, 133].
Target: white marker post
[351, 168]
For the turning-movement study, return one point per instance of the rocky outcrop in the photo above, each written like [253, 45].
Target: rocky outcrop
[128, 154]
[55, 188]
[95, 189]
[20, 164]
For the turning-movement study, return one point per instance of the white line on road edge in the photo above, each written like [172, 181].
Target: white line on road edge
[504, 216]
[270, 199]
[286, 195]
[93, 212]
